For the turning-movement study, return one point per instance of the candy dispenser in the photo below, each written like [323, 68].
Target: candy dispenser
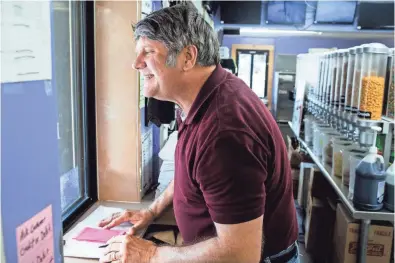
[373, 73]
[389, 112]
[325, 97]
[339, 71]
[349, 91]
[338, 81]
[343, 79]
[342, 92]
[320, 84]
[356, 80]
[350, 79]
[333, 70]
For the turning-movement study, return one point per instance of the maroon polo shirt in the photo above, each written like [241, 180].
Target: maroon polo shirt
[232, 166]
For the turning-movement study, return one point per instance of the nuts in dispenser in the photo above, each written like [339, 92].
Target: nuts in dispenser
[391, 95]
[337, 164]
[391, 101]
[372, 93]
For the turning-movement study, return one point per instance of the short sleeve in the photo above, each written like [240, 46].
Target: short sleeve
[231, 173]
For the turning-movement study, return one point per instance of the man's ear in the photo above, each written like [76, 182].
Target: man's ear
[190, 57]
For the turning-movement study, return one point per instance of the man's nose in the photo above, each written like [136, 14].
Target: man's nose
[139, 64]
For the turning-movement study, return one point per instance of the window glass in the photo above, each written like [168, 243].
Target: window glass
[67, 80]
[244, 68]
[259, 75]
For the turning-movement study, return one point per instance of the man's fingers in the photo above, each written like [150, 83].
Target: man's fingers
[116, 221]
[113, 247]
[107, 220]
[116, 239]
[111, 257]
[133, 230]
[104, 222]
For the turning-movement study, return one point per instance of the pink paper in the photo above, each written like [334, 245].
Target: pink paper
[97, 235]
[34, 238]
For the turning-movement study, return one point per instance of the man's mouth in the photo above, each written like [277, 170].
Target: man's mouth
[149, 76]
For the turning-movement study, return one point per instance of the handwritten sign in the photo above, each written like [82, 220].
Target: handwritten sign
[35, 238]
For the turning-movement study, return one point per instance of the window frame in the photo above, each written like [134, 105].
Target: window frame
[83, 62]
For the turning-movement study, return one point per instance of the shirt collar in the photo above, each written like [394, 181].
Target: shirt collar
[212, 83]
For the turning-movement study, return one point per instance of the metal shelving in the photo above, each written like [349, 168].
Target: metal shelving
[364, 216]
[342, 191]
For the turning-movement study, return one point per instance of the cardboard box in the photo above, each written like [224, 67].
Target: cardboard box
[295, 182]
[303, 187]
[319, 186]
[346, 237]
[320, 218]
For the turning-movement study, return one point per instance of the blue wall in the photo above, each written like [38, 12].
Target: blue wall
[29, 171]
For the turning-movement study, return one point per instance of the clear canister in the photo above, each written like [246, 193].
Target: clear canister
[333, 71]
[338, 75]
[373, 73]
[346, 153]
[327, 145]
[355, 159]
[337, 159]
[390, 109]
[321, 78]
[325, 79]
[317, 137]
[343, 79]
[308, 130]
[356, 79]
[350, 78]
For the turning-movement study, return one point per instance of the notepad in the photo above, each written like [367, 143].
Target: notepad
[97, 235]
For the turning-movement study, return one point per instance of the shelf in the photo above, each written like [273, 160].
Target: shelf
[342, 191]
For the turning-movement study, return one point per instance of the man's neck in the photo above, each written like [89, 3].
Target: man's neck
[192, 87]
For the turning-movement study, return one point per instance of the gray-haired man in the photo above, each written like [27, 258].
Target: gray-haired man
[232, 182]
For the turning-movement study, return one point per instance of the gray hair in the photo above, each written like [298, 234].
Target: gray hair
[177, 27]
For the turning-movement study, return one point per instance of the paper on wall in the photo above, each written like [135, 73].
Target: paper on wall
[34, 238]
[26, 49]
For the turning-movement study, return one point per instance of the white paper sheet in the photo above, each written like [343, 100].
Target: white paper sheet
[83, 249]
[26, 48]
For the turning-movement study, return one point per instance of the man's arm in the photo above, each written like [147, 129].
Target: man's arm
[234, 243]
[163, 201]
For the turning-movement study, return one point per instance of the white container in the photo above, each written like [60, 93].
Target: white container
[347, 151]
[337, 159]
[308, 130]
[327, 146]
[389, 188]
[318, 143]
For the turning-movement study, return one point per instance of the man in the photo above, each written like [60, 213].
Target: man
[232, 191]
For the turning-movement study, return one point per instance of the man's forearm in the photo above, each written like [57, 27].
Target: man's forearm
[209, 250]
[163, 201]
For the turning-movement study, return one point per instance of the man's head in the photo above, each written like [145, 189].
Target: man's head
[171, 44]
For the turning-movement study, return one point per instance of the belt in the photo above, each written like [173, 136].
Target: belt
[283, 258]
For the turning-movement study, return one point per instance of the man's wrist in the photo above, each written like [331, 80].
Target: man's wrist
[151, 211]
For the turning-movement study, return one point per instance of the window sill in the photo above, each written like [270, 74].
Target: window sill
[166, 219]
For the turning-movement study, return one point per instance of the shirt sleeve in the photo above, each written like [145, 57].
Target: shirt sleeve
[231, 173]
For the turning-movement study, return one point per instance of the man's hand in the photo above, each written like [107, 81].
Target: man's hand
[140, 220]
[128, 249]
